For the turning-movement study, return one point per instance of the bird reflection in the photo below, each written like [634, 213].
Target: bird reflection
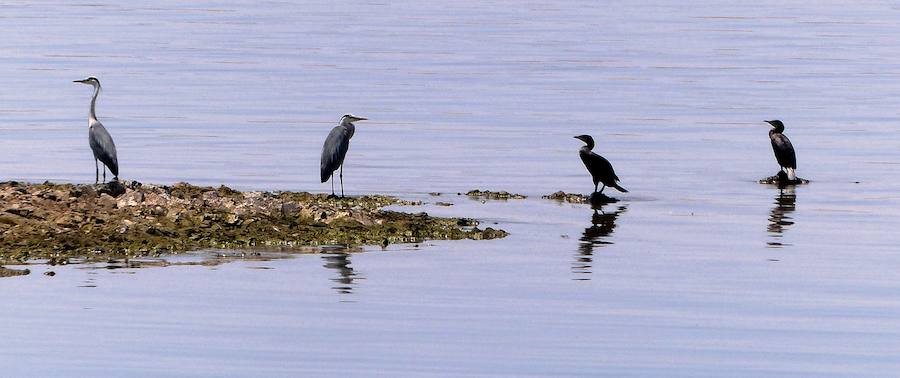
[779, 218]
[597, 235]
[340, 262]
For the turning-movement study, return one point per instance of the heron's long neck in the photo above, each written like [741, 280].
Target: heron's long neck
[92, 116]
[350, 129]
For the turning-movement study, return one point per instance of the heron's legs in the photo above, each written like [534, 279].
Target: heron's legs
[104, 172]
[332, 184]
[96, 172]
[342, 180]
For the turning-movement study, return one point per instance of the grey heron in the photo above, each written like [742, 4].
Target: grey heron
[784, 150]
[101, 142]
[335, 149]
[600, 168]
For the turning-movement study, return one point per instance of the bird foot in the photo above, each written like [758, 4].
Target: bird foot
[333, 196]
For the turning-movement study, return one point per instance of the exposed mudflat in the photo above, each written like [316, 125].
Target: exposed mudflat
[132, 219]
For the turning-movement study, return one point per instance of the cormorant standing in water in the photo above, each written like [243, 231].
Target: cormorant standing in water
[784, 151]
[600, 169]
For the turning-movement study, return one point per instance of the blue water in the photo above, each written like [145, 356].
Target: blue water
[698, 271]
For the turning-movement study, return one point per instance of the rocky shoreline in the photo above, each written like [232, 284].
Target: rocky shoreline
[123, 219]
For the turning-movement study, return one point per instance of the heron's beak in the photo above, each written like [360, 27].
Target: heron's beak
[78, 81]
[361, 118]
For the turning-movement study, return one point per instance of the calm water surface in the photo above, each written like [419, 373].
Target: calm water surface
[698, 271]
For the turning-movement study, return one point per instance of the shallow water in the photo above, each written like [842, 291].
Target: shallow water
[697, 271]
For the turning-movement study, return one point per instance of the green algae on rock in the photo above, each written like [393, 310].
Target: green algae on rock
[6, 272]
[567, 197]
[595, 199]
[65, 220]
[501, 195]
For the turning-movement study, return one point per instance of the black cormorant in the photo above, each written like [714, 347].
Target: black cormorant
[600, 169]
[784, 151]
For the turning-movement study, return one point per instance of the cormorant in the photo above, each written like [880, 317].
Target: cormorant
[600, 168]
[784, 150]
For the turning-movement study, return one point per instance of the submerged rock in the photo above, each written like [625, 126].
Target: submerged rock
[781, 180]
[130, 219]
[501, 195]
[6, 272]
[595, 199]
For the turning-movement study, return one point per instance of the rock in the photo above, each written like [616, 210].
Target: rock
[113, 188]
[61, 221]
[107, 201]
[20, 210]
[290, 209]
[133, 198]
[781, 180]
[595, 199]
[567, 197]
[501, 195]
[6, 272]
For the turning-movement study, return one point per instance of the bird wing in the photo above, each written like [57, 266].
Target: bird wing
[784, 151]
[334, 150]
[103, 147]
[599, 167]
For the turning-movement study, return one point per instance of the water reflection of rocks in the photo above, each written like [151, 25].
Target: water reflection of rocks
[340, 262]
[603, 223]
[779, 218]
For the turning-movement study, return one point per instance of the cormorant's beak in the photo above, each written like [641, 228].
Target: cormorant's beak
[769, 122]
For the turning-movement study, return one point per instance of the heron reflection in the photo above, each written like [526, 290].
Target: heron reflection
[340, 262]
[780, 216]
[603, 223]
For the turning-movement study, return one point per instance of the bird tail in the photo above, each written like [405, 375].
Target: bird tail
[324, 174]
[620, 188]
[791, 174]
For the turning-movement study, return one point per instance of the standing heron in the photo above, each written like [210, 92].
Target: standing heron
[784, 150]
[600, 168]
[101, 142]
[335, 149]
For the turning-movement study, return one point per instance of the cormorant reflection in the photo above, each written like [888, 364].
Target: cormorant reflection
[779, 217]
[340, 262]
[603, 223]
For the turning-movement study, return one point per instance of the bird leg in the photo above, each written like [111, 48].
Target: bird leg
[332, 185]
[595, 187]
[104, 172]
[601, 189]
[342, 180]
[96, 172]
